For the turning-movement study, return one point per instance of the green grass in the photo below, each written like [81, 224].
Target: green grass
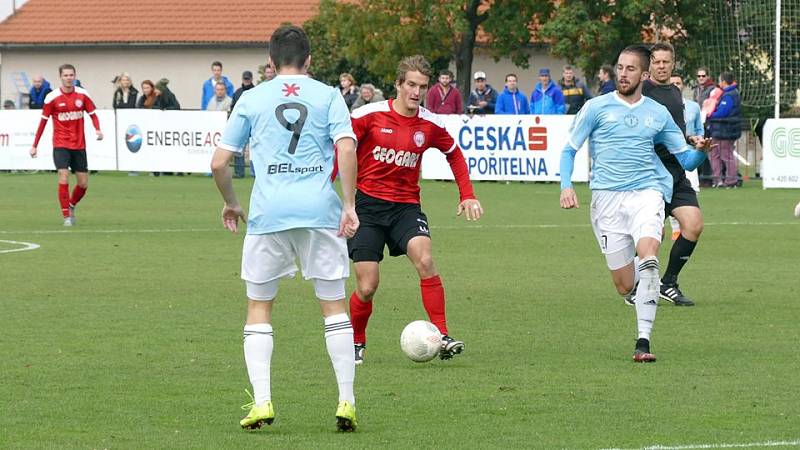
[125, 331]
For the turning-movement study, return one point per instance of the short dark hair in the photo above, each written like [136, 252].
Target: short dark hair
[663, 47]
[64, 67]
[608, 70]
[642, 52]
[511, 75]
[568, 67]
[216, 64]
[289, 46]
[446, 72]
[726, 77]
[416, 63]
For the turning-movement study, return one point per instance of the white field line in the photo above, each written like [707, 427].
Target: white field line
[25, 246]
[435, 227]
[794, 443]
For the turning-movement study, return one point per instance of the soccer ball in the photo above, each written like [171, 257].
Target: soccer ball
[421, 341]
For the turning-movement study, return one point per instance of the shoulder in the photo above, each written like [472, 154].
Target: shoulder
[370, 108]
[52, 95]
[82, 91]
[428, 116]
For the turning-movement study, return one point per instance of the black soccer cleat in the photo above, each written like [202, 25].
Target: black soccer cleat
[450, 347]
[672, 294]
[360, 349]
[642, 352]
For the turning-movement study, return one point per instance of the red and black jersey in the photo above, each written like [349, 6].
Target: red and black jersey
[67, 110]
[390, 148]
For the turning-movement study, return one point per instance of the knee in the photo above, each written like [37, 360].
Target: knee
[366, 289]
[83, 184]
[624, 287]
[425, 266]
[693, 229]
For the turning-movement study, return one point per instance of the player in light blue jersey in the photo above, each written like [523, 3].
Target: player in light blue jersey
[629, 183]
[291, 123]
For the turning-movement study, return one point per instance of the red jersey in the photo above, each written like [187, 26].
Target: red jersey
[390, 148]
[67, 109]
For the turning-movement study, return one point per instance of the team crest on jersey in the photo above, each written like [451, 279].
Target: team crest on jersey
[631, 121]
[78, 103]
[648, 121]
[419, 138]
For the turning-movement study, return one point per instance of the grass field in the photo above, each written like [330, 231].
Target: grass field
[126, 330]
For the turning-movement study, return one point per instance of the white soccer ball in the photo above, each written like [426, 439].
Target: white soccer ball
[421, 341]
[797, 211]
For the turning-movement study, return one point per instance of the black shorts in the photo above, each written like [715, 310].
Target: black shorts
[385, 223]
[683, 194]
[70, 159]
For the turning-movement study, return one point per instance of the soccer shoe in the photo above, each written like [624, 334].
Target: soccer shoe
[450, 347]
[258, 415]
[360, 350]
[630, 297]
[671, 293]
[346, 416]
[642, 353]
[68, 221]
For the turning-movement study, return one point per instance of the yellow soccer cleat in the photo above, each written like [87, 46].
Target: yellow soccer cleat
[258, 415]
[346, 416]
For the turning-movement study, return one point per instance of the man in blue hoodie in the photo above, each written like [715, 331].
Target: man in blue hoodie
[38, 92]
[511, 100]
[208, 86]
[547, 97]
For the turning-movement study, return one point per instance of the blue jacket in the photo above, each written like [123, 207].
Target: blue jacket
[36, 98]
[208, 90]
[726, 121]
[549, 100]
[606, 87]
[511, 103]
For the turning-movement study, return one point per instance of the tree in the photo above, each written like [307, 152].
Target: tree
[373, 34]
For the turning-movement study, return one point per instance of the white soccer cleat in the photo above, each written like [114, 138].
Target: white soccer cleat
[68, 221]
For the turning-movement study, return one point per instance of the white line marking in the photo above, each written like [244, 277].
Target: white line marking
[25, 246]
[435, 227]
[794, 443]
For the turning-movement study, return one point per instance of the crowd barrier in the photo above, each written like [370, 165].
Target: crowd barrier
[780, 167]
[511, 148]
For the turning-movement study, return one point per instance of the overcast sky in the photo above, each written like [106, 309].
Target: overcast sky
[7, 6]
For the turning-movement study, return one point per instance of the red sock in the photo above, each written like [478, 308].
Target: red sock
[359, 316]
[63, 198]
[433, 300]
[77, 195]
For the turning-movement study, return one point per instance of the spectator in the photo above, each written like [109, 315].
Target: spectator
[168, 99]
[483, 98]
[547, 97]
[269, 72]
[9, 104]
[725, 127]
[705, 84]
[208, 85]
[125, 94]
[38, 92]
[238, 158]
[606, 77]
[511, 100]
[367, 96]
[220, 101]
[575, 91]
[444, 98]
[348, 89]
[151, 98]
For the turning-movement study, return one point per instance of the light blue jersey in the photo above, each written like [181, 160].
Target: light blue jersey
[621, 139]
[291, 123]
[691, 115]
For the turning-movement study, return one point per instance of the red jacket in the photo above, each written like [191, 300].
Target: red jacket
[441, 103]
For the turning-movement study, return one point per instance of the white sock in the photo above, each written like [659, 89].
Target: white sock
[635, 271]
[647, 296]
[339, 340]
[258, 355]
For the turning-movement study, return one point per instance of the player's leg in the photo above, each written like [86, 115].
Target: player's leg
[686, 210]
[81, 168]
[715, 160]
[610, 230]
[61, 159]
[265, 259]
[366, 251]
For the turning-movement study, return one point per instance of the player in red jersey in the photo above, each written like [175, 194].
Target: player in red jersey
[66, 107]
[392, 135]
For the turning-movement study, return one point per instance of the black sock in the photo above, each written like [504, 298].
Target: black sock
[679, 255]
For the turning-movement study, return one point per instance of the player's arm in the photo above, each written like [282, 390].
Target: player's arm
[233, 140]
[468, 204]
[675, 142]
[580, 130]
[46, 112]
[89, 107]
[341, 132]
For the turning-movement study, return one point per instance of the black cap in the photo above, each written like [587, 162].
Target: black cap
[247, 75]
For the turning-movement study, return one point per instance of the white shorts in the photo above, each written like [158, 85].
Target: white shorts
[268, 257]
[621, 218]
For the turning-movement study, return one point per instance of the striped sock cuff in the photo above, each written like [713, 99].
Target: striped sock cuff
[337, 324]
[263, 329]
[648, 263]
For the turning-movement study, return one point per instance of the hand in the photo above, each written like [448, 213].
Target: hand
[472, 207]
[33, 151]
[231, 216]
[483, 103]
[700, 143]
[99, 135]
[348, 225]
[569, 199]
